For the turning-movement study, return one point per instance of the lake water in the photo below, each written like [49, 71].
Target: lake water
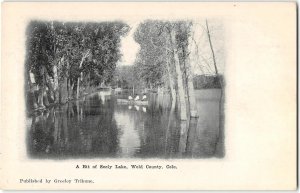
[99, 127]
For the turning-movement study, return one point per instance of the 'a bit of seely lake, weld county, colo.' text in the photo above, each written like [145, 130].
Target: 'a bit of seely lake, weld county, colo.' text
[131, 166]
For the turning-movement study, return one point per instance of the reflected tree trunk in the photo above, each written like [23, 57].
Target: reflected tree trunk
[78, 109]
[56, 128]
[219, 149]
[192, 134]
[65, 126]
[183, 137]
[169, 128]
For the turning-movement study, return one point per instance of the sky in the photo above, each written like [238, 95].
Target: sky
[129, 48]
[200, 57]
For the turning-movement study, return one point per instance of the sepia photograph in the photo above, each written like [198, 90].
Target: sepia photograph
[125, 89]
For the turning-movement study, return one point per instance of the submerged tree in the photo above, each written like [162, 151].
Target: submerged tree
[164, 47]
[67, 58]
[151, 57]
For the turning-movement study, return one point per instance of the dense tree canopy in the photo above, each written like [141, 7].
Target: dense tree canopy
[49, 42]
[152, 55]
[66, 59]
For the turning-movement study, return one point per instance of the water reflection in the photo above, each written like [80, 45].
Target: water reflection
[97, 126]
[129, 140]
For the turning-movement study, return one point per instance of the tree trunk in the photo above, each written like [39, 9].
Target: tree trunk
[63, 91]
[42, 89]
[50, 86]
[45, 85]
[192, 100]
[68, 80]
[55, 81]
[211, 48]
[185, 82]
[133, 91]
[183, 115]
[190, 85]
[78, 88]
[45, 98]
[41, 97]
[81, 75]
[68, 88]
[89, 83]
[171, 81]
[34, 101]
[31, 90]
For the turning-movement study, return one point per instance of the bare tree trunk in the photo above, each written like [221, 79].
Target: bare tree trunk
[183, 115]
[63, 91]
[81, 74]
[89, 82]
[72, 90]
[192, 100]
[185, 80]
[190, 85]
[211, 47]
[40, 98]
[62, 84]
[214, 58]
[79, 78]
[68, 88]
[31, 90]
[45, 98]
[55, 78]
[50, 86]
[171, 81]
[133, 91]
[68, 80]
[42, 89]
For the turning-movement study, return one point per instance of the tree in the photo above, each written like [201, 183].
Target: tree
[211, 47]
[164, 58]
[151, 57]
[64, 56]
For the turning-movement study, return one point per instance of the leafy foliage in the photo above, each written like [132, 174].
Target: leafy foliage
[156, 50]
[151, 59]
[64, 45]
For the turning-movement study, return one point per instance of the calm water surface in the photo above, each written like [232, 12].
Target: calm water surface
[97, 126]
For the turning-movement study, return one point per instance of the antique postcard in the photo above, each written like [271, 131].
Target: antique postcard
[148, 96]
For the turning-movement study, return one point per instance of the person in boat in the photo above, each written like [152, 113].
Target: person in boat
[130, 98]
[137, 98]
[144, 98]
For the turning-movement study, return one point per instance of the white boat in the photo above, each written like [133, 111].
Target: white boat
[132, 102]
